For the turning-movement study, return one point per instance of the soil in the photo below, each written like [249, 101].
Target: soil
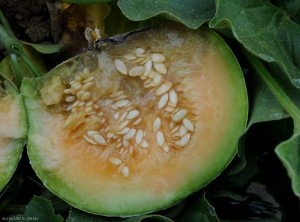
[46, 22]
[29, 19]
[35, 21]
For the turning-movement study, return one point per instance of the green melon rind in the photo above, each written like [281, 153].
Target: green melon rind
[13, 153]
[10, 155]
[75, 198]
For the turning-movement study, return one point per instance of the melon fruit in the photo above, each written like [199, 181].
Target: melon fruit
[139, 124]
[13, 129]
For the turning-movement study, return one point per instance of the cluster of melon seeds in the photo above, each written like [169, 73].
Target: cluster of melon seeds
[117, 121]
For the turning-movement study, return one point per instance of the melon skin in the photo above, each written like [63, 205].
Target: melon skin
[13, 131]
[10, 155]
[73, 174]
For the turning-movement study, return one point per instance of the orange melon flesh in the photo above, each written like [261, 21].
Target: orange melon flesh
[209, 85]
[12, 133]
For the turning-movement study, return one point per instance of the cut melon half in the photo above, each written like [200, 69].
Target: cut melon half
[13, 129]
[139, 124]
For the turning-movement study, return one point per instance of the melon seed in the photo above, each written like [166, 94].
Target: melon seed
[163, 88]
[115, 161]
[120, 66]
[137, 71]
[160, 139]
[188, 124]
[160, 67]
[163, 101]
[157, 57]
[179, 115]
[156, 124]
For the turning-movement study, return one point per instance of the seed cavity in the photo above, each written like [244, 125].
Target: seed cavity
[117, 117]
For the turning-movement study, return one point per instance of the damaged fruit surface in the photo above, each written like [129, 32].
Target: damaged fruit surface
[13, 129]
[139, 125]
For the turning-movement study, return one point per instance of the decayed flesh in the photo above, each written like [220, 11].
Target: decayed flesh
[116, 120]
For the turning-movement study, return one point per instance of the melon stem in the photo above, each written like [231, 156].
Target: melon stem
[15, 48]
[16, 68]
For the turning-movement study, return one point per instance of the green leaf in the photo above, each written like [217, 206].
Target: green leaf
[80, 216]
[198, 209]
[289, 154]
[293, 7]
[286, 94]
[232, 195]
[264, 30]
[192, 13]
[256, 220]
[117, 23]
[6, 67]
[39, 209]
[264, 105]
[87, 1]
[9, 86]
[289, 97]
[45, 49]
[148, 218]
